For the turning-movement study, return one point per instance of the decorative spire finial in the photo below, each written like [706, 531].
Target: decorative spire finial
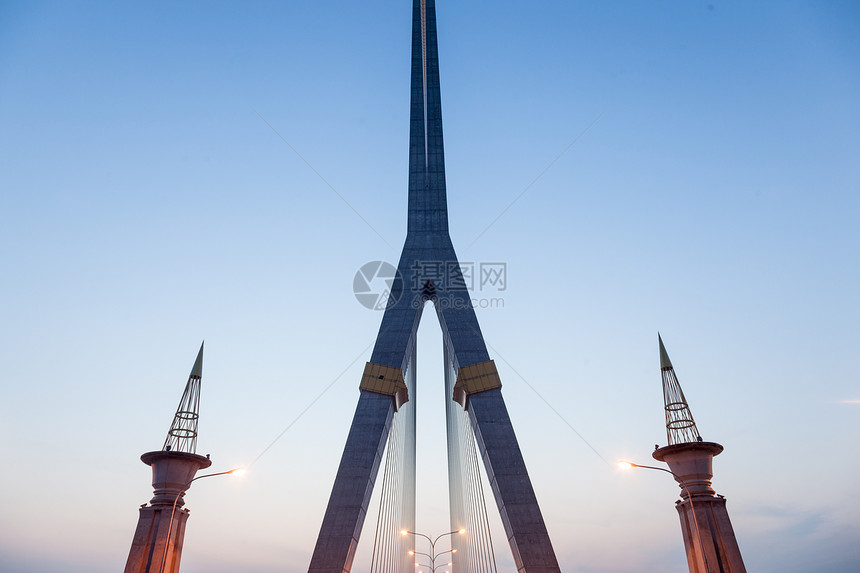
[665, 363]
[182, 436]
[680, 425]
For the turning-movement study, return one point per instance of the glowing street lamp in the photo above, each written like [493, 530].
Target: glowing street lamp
[624, 464]
[234, 471]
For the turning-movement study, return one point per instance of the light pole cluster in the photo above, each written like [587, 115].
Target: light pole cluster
[432, 568]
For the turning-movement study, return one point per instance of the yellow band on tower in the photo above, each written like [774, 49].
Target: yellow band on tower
[382, 379]
[476, 378]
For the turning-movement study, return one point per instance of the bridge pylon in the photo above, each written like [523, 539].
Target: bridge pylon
[429, 270]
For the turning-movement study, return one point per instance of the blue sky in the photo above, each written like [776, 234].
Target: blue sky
[147, 206]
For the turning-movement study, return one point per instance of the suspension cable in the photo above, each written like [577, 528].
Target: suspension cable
[466, 491]
[397, 495]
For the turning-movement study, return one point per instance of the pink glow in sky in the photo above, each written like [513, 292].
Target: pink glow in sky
[146, 207]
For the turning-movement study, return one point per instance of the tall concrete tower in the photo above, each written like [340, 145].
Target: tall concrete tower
[157, 543]
[709, 538]
[429, 270]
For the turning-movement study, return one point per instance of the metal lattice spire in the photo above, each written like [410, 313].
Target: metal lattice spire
[182, 436]
[680, 425]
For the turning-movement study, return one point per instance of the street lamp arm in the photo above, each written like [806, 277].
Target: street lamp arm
[176, 500]
[233, 471]
[420, 553]
[632, 465]
[676, 476]
[444, 552]
[689, 497]
[461, 531]
[407, 532]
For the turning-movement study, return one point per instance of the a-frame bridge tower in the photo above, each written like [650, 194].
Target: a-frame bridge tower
[429, 270]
